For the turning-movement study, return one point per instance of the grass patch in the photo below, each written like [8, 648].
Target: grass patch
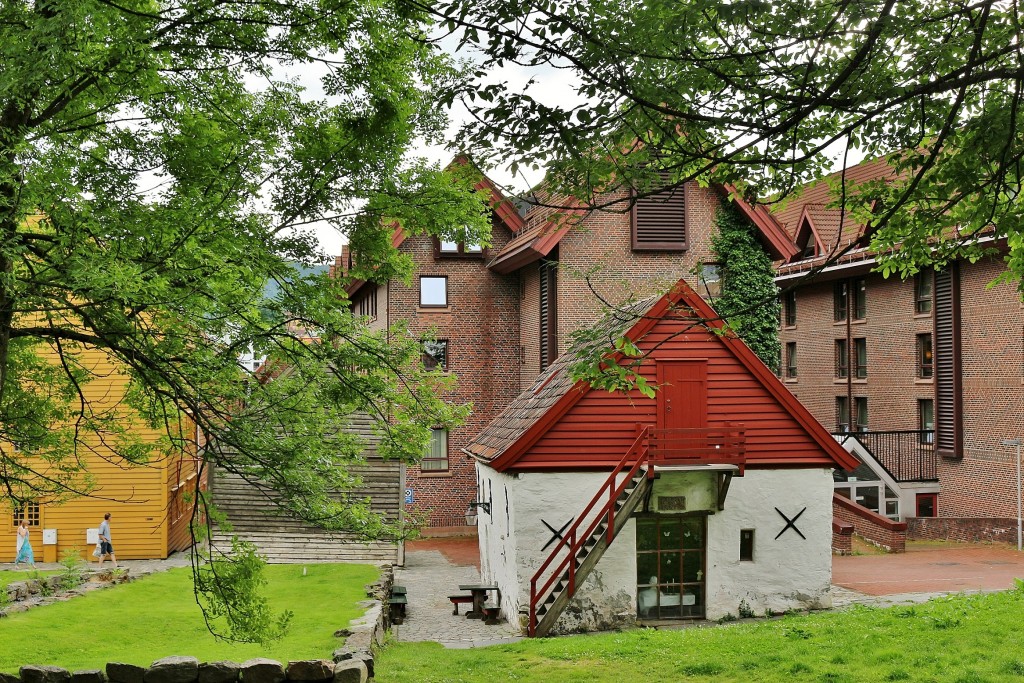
[10, 576]
[157, 616]
[974, 638]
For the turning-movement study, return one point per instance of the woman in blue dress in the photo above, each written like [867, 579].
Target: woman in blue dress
[24, 546]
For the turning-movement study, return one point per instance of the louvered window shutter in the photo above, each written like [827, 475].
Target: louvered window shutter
[548, 313]
[948, 425]
[659, 221]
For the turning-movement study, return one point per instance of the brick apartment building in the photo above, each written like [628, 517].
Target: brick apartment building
[496, 317]
[928, 371]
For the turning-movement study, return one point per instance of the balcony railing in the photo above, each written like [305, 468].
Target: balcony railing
[907, 455]
[724, 445]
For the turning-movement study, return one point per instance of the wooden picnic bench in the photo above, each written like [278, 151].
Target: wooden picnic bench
[491, 611]
[397, 603]
[478, 596]
[460, 599]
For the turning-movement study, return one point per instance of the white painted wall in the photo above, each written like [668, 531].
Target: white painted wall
[787, 573]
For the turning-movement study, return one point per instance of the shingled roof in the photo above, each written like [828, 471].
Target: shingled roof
[553, 384]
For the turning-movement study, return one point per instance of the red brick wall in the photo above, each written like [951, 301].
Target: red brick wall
[600, 247]
[842, 537]
[983, 483]
[481, 324]
[890, 328]
[870, 525]
[964, 529]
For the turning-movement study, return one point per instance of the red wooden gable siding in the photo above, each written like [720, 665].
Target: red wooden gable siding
[599, 428]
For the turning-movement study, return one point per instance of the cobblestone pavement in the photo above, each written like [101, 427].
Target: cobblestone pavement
[429, 577]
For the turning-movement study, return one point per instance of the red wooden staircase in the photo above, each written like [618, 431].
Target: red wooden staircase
[581, 547]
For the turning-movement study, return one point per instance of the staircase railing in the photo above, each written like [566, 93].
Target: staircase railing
[652, 447]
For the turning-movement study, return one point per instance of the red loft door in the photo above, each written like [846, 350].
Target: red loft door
[682, 394]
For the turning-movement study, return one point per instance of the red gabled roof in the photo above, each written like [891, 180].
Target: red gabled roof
[532, 415]
[772, 232]
[546, 227]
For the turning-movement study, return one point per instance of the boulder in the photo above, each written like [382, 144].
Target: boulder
[174, 669]
[32, 673]
[261, 670]
[125, 673]
[9, 678]
[219, 672]
[311, 670]
[350, 671]
[88, 676]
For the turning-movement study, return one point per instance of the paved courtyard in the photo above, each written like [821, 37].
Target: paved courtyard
[433, 570]
[931, 568]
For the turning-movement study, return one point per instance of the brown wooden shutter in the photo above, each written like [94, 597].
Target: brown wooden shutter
[659, 221]
[948, 407]
[548, 313]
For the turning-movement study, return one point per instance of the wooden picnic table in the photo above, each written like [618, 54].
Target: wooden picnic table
[479, 591]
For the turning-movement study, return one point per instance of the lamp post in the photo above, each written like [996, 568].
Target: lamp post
[1017, 443]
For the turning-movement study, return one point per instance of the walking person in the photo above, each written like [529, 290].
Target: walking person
[106, 548]
[24, 546]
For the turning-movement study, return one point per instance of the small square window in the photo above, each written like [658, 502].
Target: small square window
[433, 291]
[436, 457]
[473, 249]
[746, 545]
[435, 354]
[448, 247]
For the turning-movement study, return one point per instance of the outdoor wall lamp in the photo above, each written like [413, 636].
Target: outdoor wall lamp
[485, 504]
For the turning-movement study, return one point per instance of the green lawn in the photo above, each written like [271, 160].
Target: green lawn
[157, 616]
[975, 639]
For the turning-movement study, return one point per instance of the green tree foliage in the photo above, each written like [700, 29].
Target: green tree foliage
[756, 92]
[155, 173]
[750, 299]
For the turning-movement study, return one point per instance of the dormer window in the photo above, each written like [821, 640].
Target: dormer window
[452, 249]
[806, 238]
[809, 248]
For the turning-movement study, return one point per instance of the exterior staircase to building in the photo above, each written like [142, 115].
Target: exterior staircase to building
[626, 488]
[250, 509]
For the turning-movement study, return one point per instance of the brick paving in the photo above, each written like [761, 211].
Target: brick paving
[931, 569]
[433, 570]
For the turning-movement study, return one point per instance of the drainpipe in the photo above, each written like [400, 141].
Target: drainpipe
[850, 356]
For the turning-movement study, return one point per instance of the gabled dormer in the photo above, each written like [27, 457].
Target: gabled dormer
[807, 240]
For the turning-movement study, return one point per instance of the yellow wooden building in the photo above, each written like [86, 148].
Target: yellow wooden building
[147, 503]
